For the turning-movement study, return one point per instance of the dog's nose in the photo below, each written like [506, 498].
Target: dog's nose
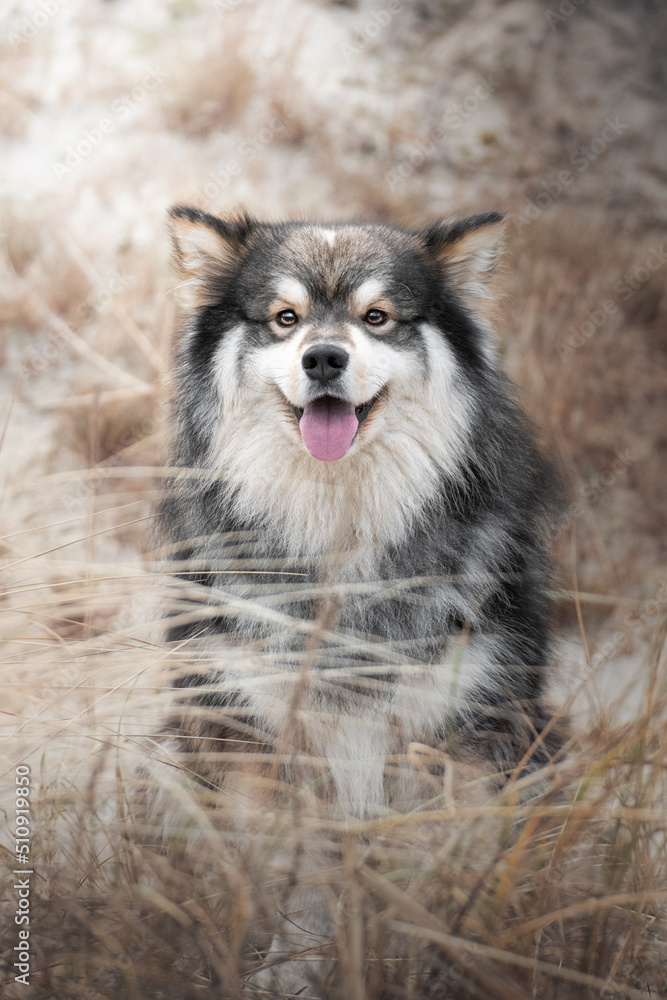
[324, 362]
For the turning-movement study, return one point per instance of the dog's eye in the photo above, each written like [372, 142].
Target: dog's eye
[287, 317]
[375, 317]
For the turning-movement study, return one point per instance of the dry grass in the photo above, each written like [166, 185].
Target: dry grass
[554, 886]
[556, 893]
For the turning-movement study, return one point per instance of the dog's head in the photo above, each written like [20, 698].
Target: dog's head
[332, 324]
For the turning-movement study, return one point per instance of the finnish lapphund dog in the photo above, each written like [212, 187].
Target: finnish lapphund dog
[355, 525]
[357, 512]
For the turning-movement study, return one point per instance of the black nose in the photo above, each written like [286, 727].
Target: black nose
[324, 362]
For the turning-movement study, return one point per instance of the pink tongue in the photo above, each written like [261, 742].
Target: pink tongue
[327, 428]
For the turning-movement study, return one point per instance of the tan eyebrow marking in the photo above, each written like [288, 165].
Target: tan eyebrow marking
[291, 294]
[371, 294]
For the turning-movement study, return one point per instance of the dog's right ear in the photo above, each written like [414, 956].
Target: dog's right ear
[466, 251]
[207, 249]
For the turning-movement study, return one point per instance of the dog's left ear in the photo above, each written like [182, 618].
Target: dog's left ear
[466, 251]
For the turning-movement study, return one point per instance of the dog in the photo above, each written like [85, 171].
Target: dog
[358, 513]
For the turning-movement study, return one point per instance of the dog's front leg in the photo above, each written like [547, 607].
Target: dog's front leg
[298, 961]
